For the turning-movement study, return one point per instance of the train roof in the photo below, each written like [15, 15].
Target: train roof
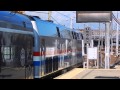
[48, 28]
[15, 21]
[49, 22]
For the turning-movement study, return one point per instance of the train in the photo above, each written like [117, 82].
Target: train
[57, 47]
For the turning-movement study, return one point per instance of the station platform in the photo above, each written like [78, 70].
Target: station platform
[70, 74]
[81, 73]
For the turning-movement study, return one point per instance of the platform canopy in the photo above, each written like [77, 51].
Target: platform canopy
[93, 16]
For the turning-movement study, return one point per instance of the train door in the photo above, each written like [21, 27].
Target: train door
[73, 52]
[60, 56]
[42, 51]
[68, 52]
[50, 56]
[65, 53]
[60, 52]
[28, 57]
[56, 57]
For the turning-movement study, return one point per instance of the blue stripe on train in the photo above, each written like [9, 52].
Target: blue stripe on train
[36, 63]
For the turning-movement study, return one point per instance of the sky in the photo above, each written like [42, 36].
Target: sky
[63, 18]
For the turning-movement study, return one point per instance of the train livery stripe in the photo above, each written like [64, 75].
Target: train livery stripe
[36, 63]
[36, 54]
[36, 58]
[15, 31]
[56, 52]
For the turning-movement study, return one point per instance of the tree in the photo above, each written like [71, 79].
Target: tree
[21, 12]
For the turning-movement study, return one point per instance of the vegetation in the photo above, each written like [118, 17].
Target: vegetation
[21, 12]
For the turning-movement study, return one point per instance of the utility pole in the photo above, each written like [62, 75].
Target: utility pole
[107, 45]
[99, 36]
[49, 15]
[111, 34]
[117, 34]
[71, 23]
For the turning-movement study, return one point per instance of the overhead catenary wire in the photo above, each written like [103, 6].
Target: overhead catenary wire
[116, 19]
[64, 14]
[40, 12]
[56, 17]
[51, 17]
[55, 20]
[55, 11]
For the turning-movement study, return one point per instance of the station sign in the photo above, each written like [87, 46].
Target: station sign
[87, 35]
[92, 53]
[93, 16]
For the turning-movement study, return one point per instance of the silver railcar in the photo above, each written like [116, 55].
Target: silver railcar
[60, 47]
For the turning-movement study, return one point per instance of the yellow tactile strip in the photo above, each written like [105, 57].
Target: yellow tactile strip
[70, 74]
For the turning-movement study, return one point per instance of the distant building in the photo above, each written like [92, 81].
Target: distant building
[96, 33]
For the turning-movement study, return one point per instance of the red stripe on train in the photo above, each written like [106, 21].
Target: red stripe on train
[55, 52]
[36, 54]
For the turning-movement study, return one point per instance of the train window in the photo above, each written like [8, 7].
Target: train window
[31, 18]
[81, 36]
[73, 34]
[37, 17]
[65, 33]
[69, 34]
[24, 24]
[58, 31]
[77, 36]
[33, 41]
[7, 53]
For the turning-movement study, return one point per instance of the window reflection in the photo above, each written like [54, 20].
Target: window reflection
[7, 53]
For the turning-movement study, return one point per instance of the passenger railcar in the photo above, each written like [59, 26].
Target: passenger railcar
[60, 47]
[16, 45]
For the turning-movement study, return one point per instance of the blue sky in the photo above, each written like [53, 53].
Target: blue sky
[63, 17]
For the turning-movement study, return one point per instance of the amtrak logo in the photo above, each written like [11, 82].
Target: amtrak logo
[22, 57]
